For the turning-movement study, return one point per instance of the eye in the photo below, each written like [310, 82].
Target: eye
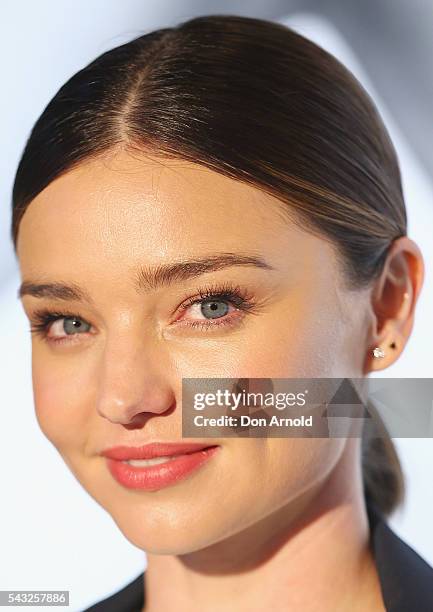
[69, 325]
[58, 327]
[217, 306]
[211, 309]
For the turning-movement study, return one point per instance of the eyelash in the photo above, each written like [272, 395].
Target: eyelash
[234, 294]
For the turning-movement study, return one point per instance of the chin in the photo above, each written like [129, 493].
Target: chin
[170, 535]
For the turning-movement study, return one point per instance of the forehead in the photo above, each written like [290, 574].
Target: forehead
[124, 207]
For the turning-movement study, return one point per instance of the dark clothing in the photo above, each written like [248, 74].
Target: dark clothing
[406, 579]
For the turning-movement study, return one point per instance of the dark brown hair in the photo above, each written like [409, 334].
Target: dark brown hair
[255, 101]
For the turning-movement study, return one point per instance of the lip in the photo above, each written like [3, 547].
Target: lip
[150, 451]
[187, 459]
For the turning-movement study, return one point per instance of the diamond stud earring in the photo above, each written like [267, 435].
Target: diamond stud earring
[378, 352]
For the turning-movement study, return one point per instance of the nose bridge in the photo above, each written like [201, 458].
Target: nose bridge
[132, 378]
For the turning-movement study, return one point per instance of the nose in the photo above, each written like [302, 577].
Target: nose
[132, 382]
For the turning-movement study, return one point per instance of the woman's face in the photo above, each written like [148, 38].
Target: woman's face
[117, 378]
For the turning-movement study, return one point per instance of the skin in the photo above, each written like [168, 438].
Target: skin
[268, 523]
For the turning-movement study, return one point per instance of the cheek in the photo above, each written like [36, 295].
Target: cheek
[261, 478]
[272, 348]
[58, 402]
[306, 341]
[283, 353]
[300, 463]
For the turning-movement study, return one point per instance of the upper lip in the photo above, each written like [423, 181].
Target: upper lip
[150, 451]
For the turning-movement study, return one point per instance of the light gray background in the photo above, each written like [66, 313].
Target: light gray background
[52, 534]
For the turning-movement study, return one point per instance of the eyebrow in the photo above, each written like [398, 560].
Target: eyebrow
[148, 278]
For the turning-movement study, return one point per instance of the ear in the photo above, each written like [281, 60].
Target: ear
[393, 301]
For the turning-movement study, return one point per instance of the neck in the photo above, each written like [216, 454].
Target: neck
[312, 554]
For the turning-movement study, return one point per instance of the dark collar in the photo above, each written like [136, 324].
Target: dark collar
[406, 579]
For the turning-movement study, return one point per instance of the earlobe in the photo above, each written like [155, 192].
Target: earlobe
[378, 353]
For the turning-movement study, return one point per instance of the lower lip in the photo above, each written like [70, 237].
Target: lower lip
[154, 477]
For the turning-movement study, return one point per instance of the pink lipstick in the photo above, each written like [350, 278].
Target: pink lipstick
[158, 465]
